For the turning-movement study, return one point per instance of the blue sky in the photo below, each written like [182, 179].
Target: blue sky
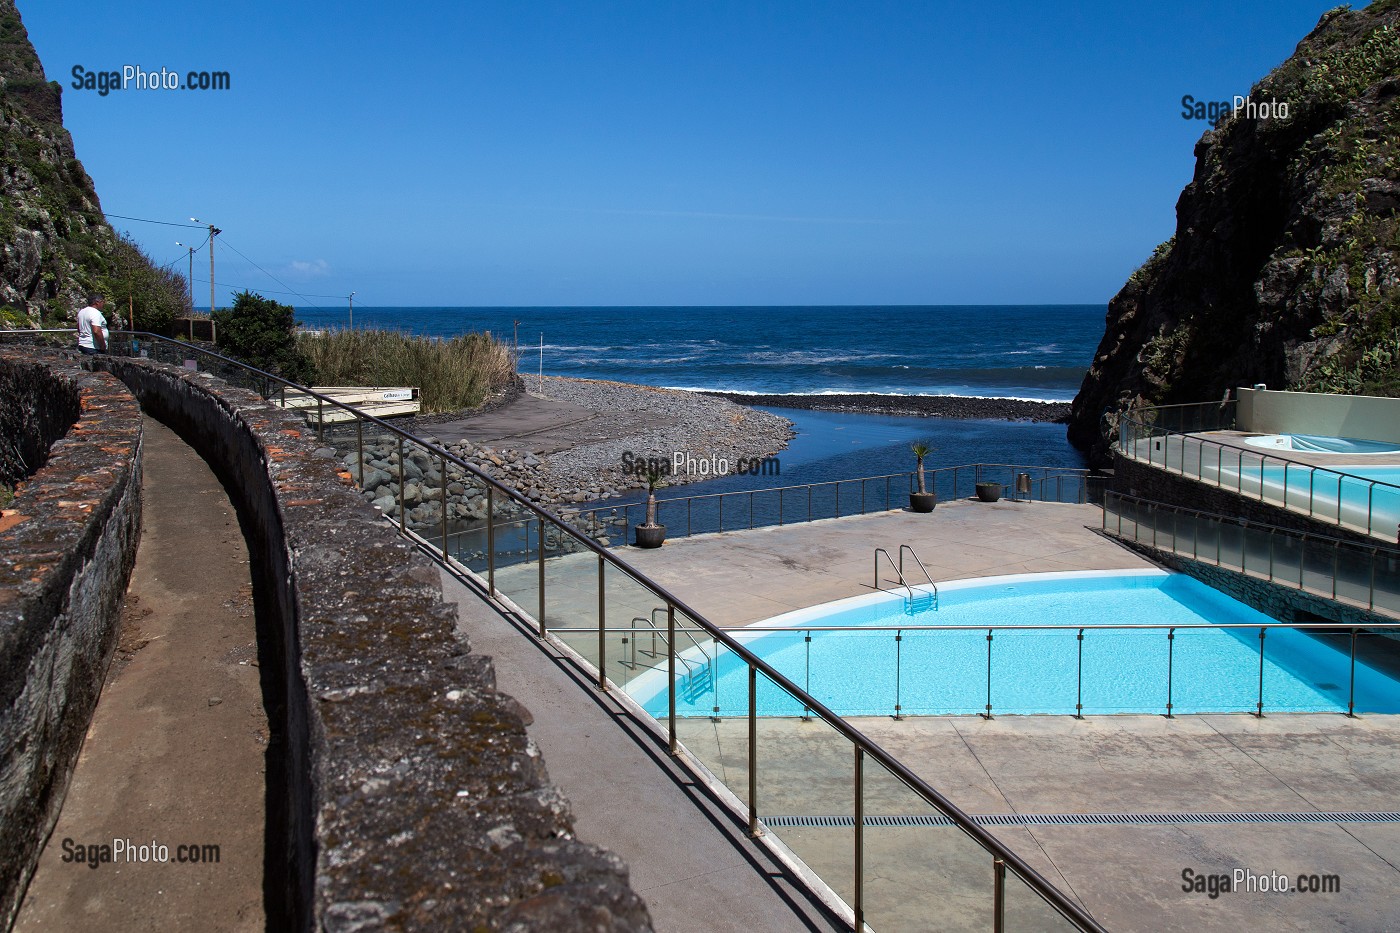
[659, 153]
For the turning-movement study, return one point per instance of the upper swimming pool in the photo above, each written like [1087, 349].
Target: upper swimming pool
[1046, 669]
[1319, 444]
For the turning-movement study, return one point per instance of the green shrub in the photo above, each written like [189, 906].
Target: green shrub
[262, 333]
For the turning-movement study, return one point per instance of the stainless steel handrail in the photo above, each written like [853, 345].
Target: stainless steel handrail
[927, 575]
[1013, 627]
[864, 745]
[898, 573]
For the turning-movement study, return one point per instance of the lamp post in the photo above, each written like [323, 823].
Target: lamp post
[352, 310]
[213, 232]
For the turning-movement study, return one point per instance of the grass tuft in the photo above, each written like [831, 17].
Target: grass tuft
[450, 374]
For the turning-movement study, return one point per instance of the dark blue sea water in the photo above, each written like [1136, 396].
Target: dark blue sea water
[1008, 351]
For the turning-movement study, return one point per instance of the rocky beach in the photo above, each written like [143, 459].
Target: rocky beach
[569, 451]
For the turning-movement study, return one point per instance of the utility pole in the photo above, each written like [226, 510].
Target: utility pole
[213, 232]
[189, 282]
[352, 310]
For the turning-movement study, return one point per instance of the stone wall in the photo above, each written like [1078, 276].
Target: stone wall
[403, 791]
[67, 546]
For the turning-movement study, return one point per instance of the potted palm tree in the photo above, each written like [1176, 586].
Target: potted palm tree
[923, 500]
[651, 533]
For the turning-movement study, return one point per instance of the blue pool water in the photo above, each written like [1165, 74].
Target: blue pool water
[1035, 670]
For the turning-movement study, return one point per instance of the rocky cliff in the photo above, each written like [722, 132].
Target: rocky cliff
[1285, 265]
[54, 243]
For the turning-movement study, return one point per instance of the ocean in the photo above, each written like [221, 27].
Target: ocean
[1035, 352]
[1004, 351]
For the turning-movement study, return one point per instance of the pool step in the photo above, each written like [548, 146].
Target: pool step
[1080, 819]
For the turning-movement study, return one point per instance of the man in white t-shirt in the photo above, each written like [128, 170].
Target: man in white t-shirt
[92, 326]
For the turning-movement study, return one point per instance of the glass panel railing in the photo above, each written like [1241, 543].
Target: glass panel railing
[1025, 911]
[1354, 581]
[1124, 671]
[943, 672]
[519, 547]
[804, 786]
[915, 864]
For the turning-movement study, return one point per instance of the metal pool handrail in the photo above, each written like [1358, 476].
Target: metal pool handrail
[864, 746]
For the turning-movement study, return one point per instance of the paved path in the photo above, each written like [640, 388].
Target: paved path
[175, 750]
[689, 859]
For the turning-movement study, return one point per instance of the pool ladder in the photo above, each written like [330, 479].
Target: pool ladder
[911, 600]
[698, 678]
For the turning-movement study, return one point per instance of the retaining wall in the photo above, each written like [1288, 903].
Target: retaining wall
[403, 791]
[67, 546]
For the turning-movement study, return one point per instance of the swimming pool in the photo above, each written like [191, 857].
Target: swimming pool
[1033, 670]
[1315, 443]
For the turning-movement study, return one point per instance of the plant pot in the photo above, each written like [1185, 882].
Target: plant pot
[989, 492]
[650, 535]
[922, 501]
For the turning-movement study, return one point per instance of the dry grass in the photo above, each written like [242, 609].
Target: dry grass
[450, 374]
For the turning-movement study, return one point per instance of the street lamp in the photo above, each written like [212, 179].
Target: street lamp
[352, 310]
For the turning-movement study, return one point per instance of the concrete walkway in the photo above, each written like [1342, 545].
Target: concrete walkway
[174, 754]
[690, 860]
[740, 577]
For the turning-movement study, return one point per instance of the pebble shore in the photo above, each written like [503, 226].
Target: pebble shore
[667, 421]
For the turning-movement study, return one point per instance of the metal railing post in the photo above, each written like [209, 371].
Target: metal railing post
[807, 677]
[838, 498]
[753, 751]
[1371, 591]
[403, 498]
[998, 895]
[602, 624]
[1271, 554]
[443, 499]
[721, 512]
[887, 493]
[750, 510]
[360, 447]
[1079, 681]
[543, 629]
[320, 420]
[1259, 707]
[1171, 638]
[490, 531]
[859, 840]
[898, 657]
[1351, 694]
[809, 502]
[673, 746]
[988, 714]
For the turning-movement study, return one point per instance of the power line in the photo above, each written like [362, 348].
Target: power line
[274, 278]
[144, 220]
[269, 291]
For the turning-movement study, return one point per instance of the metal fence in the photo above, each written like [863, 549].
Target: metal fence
[1163, 438]
[930, 669]
[1364, 576]
[707, 513]
[586, 585]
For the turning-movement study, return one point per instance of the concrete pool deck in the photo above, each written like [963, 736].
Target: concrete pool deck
[1127, 874]
[740, 577]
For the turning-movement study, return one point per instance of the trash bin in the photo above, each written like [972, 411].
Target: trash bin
[1023, 483]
